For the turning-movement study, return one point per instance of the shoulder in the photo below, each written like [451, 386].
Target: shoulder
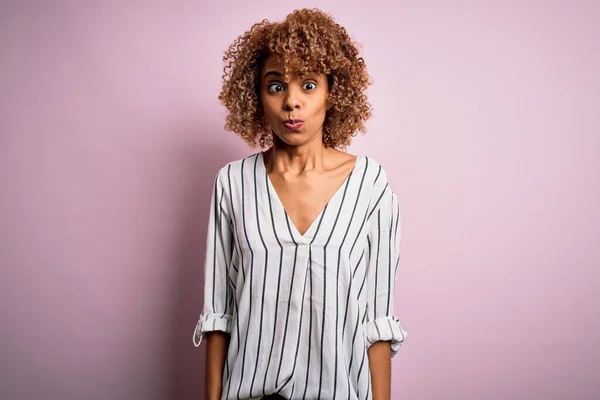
[375, 172]
[377, 179]
[231, 171]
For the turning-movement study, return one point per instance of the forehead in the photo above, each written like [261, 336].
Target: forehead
[276, 63]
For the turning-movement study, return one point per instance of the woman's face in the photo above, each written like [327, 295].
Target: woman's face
[294, 110]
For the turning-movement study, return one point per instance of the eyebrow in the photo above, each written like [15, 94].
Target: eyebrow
[276, 73]
[308, 75]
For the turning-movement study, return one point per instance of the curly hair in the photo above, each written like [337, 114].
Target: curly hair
[308, 40]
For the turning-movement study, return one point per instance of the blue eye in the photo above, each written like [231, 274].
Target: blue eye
[275, 87]
[314, 86]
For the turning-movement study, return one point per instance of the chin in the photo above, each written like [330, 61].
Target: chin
[291, 137]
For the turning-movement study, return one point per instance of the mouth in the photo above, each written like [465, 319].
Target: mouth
[293, 124]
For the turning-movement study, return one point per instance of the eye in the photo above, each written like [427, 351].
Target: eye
[275, 87]
[310, 86]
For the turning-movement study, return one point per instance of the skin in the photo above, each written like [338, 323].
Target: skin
[217, 344]
[380, 364]
[302, 170]
[305, 175]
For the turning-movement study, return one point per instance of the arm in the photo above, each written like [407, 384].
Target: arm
[380, 363]
[382, 329]
[217, 345]
[215, 321]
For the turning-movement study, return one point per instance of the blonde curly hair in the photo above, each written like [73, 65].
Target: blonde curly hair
[308, 40]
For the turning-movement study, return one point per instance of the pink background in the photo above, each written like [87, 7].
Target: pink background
[487, 116]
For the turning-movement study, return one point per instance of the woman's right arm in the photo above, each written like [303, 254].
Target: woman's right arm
[216, 350]
[214, 324]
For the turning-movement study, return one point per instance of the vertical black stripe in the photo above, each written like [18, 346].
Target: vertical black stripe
[278, 288]
[325, 291]
[222, 221]
[360, 232]
[358, 264]
[362, 363]
[241, 258]
[360, 229]
[368, 266]
[226, 367]
[264, 285]
[300, 327]
[215, 228]
[236, 252]
[396, 249]
[362, 285]
[237, 317]
[348, 290]
[391, 329]
[357, 317]
[350, 277]
[378, 200]
[251, 282]
[390, 245]
[311, 293]
[235, 310]
[377, 264]
[353, 341]
[233, 218]
[378, 173]
[351, 280]
[310, 322]
[368, 386]
[287, 317]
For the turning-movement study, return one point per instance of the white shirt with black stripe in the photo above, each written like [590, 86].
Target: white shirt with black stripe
[301, 310]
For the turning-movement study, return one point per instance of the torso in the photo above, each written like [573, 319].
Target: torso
[304, 196]
[301, 308]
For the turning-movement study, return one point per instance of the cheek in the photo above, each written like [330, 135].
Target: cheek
[268, 105]
[269, 114]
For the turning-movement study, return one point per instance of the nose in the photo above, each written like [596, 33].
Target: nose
[292, 99]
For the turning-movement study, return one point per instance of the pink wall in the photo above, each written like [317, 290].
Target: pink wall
[486, 115]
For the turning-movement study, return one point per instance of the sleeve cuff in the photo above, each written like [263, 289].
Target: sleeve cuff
[209, 323]
[386, 329]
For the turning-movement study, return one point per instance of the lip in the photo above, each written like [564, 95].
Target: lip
[293, 124]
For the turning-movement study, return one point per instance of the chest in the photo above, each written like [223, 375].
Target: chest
[304, 198]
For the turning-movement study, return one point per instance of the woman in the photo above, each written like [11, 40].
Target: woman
[303, 239]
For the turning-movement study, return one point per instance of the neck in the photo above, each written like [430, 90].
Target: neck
[282, 157]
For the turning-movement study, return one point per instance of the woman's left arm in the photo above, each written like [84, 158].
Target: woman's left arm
[383, 332]
[380, 364]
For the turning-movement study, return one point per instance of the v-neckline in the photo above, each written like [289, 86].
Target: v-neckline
[271, 189]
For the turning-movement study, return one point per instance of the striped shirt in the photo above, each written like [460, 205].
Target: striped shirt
[301, 310]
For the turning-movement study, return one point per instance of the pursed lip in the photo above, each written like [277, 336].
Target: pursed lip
[293, 124]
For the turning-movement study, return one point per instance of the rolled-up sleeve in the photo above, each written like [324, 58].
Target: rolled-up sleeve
[217, 312]
[382, 268]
